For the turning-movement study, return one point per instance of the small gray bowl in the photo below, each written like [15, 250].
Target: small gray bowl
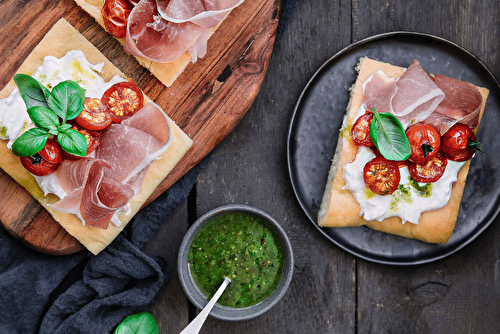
[223, 312]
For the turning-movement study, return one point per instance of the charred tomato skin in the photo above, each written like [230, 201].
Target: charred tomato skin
[361, 130]
[95, 115]
[115, 15]
[425, 142]
[44, 162]
[123, 100]
[459, 143]
[381, 176]
[429, 171]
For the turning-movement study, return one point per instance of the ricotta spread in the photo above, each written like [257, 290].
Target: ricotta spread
[14, 119]
[409, 200]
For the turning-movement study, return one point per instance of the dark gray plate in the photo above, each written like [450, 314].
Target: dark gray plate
[314, 130]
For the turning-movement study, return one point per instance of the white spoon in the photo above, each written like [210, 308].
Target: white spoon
[195, 325]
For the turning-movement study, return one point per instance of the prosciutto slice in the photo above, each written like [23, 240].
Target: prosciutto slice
[462, 104]
[414, 97]
[98, 188]
[163, 30]
[419, 97]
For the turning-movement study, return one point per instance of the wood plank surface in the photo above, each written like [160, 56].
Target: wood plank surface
[205, 104]
[333, 291]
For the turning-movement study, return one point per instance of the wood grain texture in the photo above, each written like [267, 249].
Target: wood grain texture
[333, 291]
[206, 107]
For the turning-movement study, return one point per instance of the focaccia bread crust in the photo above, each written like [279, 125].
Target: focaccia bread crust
[167, 73]
[339, 207]
[61, 38]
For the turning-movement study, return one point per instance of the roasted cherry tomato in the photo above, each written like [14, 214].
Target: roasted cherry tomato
[381, 176]
[424, 142]
[361, 130]
[459, 143]
[115, 14]
[429, 171]
[92, 141]
[44, 162]
[123, 99]
[95, 115]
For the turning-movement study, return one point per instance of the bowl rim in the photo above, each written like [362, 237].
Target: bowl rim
[221, 312]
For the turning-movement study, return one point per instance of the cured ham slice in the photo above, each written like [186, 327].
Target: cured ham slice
[462, 104]
[91, 196]
[419, 97]
[97, 188]
[412, 98]
[163, 30]
[205, 13]
[378, 91]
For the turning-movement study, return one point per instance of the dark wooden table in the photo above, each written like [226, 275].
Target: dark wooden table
[333, 291]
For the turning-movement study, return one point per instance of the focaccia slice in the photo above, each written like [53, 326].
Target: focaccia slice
[339, 207]
[61, 38]
[167, 73]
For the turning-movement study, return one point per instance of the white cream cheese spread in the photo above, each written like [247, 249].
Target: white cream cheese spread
[409, 200]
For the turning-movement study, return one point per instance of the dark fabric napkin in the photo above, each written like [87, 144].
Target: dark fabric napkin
[82, 293]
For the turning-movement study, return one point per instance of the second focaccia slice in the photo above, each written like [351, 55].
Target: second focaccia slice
[60, 39]
[166, 72]
[339, 208]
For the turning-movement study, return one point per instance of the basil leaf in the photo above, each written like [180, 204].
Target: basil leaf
[43, 117]
[388, 135]
[33, 92]
[66, 99]
[64, 127]
[139, 323]
[30, 142]
[73, 142]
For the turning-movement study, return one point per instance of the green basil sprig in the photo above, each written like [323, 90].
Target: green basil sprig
[49, 111]
[139, 323]
[388, 135]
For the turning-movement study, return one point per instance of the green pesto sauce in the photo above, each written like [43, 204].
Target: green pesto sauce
[243, 248]
[424, 191]
[402, 194]
[369, 193]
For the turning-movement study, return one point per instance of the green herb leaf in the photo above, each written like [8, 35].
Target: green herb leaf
[66, 100]
[73, 142]
[64, 127]
[33, 92]
[139, 323]
[43, 118]
[30, 142]
[388, 135]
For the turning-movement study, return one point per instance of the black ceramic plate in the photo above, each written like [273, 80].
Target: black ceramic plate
[314, 131]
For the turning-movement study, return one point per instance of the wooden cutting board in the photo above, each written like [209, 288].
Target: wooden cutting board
[207, 101]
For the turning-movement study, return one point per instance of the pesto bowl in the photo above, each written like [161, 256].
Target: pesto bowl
[195, 294]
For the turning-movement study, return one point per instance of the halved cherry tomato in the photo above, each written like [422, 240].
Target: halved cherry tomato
[381, 176]
[115, 14]
[123, 100]
[92, 141]
[429, 171]
[44, 162]
[95, 115]
[459, 143]
[361, 130]
[401, 163]
[424, 142]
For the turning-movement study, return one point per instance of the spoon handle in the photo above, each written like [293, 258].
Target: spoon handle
[195, 325]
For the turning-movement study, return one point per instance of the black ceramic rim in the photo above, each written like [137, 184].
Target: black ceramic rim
[385, 47]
